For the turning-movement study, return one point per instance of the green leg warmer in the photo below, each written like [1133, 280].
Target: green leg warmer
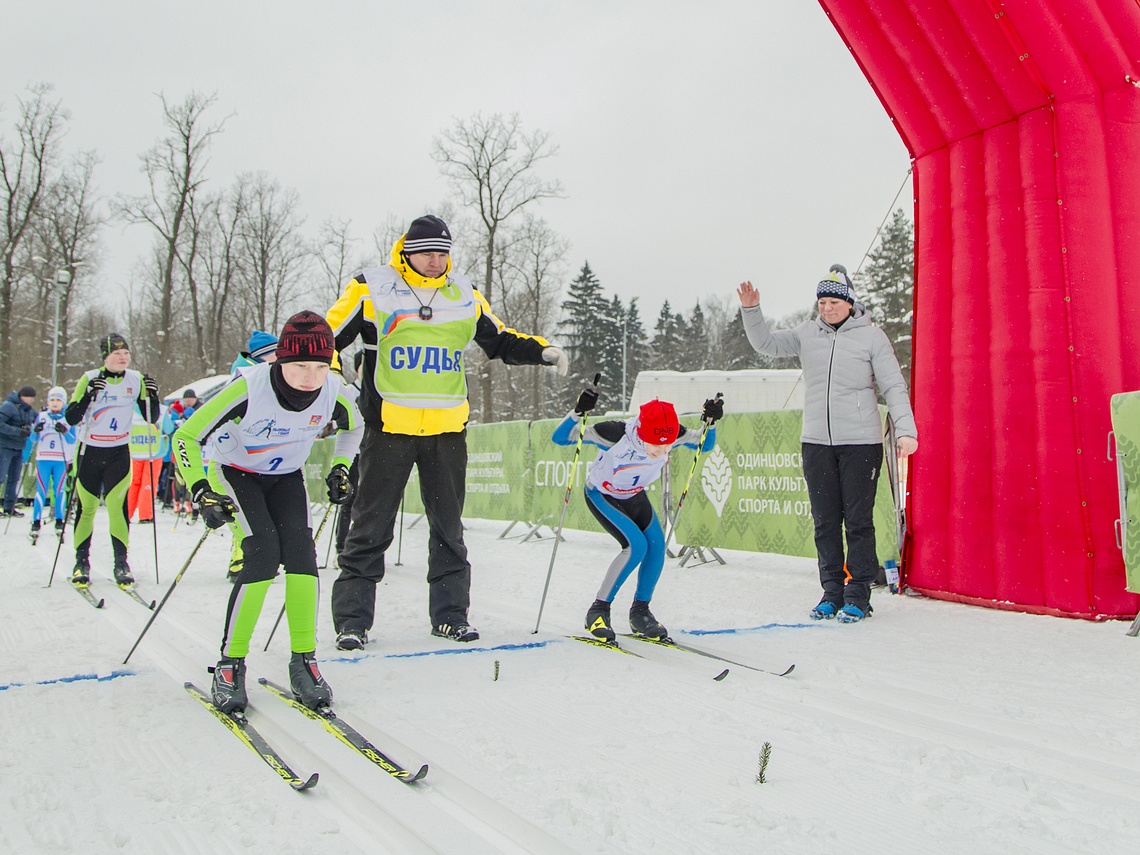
[117, 512]
[301, 607]
[88, 503]
[245, 608]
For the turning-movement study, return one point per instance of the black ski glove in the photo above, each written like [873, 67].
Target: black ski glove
[151, 385]
[61, 426]
[586, 401]
[39, 427]
[713, 410]
[25, 430]
[94, 387]
[340, 487]
[217, 509]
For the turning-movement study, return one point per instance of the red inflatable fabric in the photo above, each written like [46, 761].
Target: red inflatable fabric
[1022, 119]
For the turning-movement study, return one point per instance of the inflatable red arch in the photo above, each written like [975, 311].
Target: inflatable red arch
[1022, 119]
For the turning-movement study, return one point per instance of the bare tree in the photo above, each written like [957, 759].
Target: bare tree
[535, 268]
[492, 165]
[175, 170]
[334, 252]
[222, 274]
[25, 172]
[275, 256]
[67, 238]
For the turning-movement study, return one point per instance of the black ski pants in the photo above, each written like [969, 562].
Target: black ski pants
[842, 481]
[386, 461]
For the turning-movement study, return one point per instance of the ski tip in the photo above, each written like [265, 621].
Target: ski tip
[307, 785]
[262, 680]
[99, 604]
[420, 774]
[187, 685]
[721, 675]
[789, 670]
[153, 603]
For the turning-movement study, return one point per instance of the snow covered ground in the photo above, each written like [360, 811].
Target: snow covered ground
[933, 727]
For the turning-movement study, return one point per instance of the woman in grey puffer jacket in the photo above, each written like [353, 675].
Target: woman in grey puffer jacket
[844, 357]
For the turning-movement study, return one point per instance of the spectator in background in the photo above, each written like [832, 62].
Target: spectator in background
[149, 446]
[174, 492]
[17, 414]
[261, 347]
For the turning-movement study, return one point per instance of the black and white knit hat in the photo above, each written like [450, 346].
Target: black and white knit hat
[836, 285]
[427, 234]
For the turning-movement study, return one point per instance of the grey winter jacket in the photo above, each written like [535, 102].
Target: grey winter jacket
[841, 369]
[14, 414]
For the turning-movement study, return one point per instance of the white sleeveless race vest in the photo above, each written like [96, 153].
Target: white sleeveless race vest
[50, 443]
[271, 440]
[624, 469]
[110, 415]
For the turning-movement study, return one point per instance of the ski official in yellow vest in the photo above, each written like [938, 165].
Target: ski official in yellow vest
[415, 316]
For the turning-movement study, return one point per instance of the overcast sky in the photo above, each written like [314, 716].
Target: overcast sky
[699, 143]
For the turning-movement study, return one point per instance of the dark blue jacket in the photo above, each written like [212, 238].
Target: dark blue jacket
[14, 414]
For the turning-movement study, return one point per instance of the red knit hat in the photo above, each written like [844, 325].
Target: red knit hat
[307, 337]
[657, 423]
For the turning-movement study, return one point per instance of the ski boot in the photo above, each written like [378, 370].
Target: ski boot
[351, 639]
[643, 623]
[228, 690]
[598, 622]
[459, 631]
[305, 679]
[35, 532]
[59, 527]
[81, 575]
[122, 573]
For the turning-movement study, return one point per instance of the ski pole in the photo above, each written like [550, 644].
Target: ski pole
[400, 542]
[79, 452]
[689, 480]
[151, 487]
[565, 505]
[335, 528]
[281, 614]
[169, 591]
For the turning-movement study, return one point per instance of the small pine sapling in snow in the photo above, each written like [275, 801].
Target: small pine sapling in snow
[765, 756]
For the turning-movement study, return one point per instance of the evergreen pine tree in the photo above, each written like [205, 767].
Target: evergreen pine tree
[636, 349]
[584, 329]
[695, 348]
[611, 322]
[887, 286]
[735, 352]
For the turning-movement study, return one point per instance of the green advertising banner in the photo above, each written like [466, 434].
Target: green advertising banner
[498, 462]
[551, 466]
[749, 492]
[1126, 427]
